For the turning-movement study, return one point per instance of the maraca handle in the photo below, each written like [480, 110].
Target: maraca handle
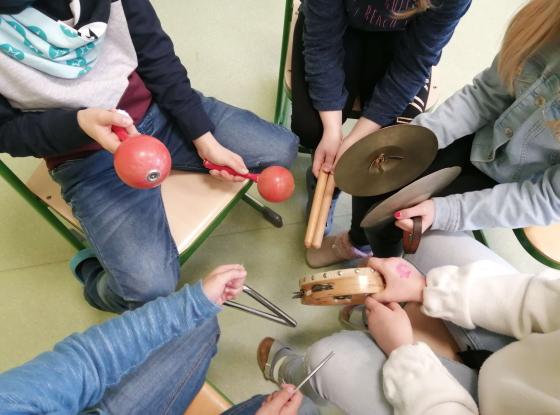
[211, 166]
[120, 132]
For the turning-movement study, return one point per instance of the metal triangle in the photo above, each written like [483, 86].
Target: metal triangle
[278, 316]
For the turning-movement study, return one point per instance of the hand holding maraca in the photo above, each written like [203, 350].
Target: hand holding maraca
[210, 149]
[274, 184]
[97, 124]
[142, 162]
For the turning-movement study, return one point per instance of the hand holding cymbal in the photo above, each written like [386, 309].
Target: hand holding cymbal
[425, 210]
[385, 160]
[411, 204]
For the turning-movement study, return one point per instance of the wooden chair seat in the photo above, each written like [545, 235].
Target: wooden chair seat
[542, 242]
[208, 402]
[203, 196]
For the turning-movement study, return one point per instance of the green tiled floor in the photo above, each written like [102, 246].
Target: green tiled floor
[231, 50]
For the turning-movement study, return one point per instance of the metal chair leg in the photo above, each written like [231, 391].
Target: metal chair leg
[280, 94]
[270, 215]
[479, 236]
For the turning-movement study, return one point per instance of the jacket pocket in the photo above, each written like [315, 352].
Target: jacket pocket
[519, 115]
[552, 117]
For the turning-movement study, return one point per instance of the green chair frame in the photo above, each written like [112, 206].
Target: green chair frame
[526, 244]
[534, 251]
[283, 95]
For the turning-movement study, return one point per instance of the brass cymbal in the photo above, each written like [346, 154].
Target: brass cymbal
[416, 192]
[385, 160]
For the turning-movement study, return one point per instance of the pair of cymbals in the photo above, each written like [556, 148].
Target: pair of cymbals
[386, 160]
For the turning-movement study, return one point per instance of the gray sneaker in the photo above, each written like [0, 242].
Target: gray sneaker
[335, 249]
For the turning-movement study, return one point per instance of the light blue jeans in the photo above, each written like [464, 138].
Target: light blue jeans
[352, 379]
[168, 380]
[137, 259]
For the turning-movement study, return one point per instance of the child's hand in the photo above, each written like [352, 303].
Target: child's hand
[209, 149]
[403, 282]
[97, 124]
[425, 209]
[325, 152]
[389, 325]
[224, 283]
[362, 129]
[282, 402]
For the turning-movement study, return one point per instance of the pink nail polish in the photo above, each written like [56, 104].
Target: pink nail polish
[397, 215]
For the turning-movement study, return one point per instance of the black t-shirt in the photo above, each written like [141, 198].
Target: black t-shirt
[377, 15]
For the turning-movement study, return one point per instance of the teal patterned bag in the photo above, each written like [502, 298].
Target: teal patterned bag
[50, 46]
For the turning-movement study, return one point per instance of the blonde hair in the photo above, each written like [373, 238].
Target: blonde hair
[420, 7]
[536, 24]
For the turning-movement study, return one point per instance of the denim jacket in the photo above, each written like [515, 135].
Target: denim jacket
[75, 375]
[516, 142]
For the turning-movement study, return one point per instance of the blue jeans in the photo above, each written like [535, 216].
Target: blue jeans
[137, 259]
[251, 406]
[168, 381]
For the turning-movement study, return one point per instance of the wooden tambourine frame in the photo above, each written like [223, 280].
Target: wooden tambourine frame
[339, 287]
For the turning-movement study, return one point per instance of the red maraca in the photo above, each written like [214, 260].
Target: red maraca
[142, 162]
[274, 184]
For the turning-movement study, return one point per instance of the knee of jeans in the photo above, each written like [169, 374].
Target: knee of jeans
[286, 149]
[148, 283]
[151, 290]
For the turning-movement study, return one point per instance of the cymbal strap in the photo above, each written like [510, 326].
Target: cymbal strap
[411, 240]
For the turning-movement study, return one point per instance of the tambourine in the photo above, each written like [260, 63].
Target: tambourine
[339, 287]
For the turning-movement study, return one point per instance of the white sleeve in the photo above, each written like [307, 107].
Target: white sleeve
[416, 383]
[488, 295]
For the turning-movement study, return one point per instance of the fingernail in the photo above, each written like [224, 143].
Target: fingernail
[126, 120]
[397, 215]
